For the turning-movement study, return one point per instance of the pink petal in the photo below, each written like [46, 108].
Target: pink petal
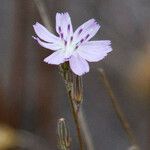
[50, 46]
[64, 25]
[56, 58]
[86, 31]
[94, 51]
[44, 34]
[78, 65]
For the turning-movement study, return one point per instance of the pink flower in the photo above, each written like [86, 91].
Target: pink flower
[74, 47]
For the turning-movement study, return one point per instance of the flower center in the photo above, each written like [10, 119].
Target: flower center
[68, 44]
[69, 47]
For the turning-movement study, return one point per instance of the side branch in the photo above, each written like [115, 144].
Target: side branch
[116, 106]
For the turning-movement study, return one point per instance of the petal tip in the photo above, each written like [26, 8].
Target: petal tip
[81, 73]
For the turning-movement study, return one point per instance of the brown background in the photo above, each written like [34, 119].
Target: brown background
[32, 94]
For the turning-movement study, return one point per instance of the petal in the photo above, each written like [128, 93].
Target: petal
[86, 31]
[104, 44]
[82, 27]
[64, 25]
[94, 51]
[78, 65]
[50, 46]
[44, 34]
[56, 58]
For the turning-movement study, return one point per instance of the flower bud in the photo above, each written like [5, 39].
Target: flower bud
[64, 139]
[77, 89]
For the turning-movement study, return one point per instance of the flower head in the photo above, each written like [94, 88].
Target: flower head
[74, 47]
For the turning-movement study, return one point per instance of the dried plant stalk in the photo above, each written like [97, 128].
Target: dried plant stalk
[121, 116]
[43, 13]
[85, 131]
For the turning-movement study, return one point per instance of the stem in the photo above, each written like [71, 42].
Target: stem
[76, 120]
[116, 106]
[75, 93]
[68, 78]
[85, 131]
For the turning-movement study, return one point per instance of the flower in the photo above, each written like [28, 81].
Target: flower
[74, 47]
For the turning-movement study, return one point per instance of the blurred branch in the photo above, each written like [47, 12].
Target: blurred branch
[43, 13]
[11, 138]
[85, 131]
[30, 141]
[3, 108]
[116, 106]
[16, 94]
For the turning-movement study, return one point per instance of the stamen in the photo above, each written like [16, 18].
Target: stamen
[80, 31]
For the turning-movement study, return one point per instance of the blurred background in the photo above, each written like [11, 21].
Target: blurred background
[32, 93]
